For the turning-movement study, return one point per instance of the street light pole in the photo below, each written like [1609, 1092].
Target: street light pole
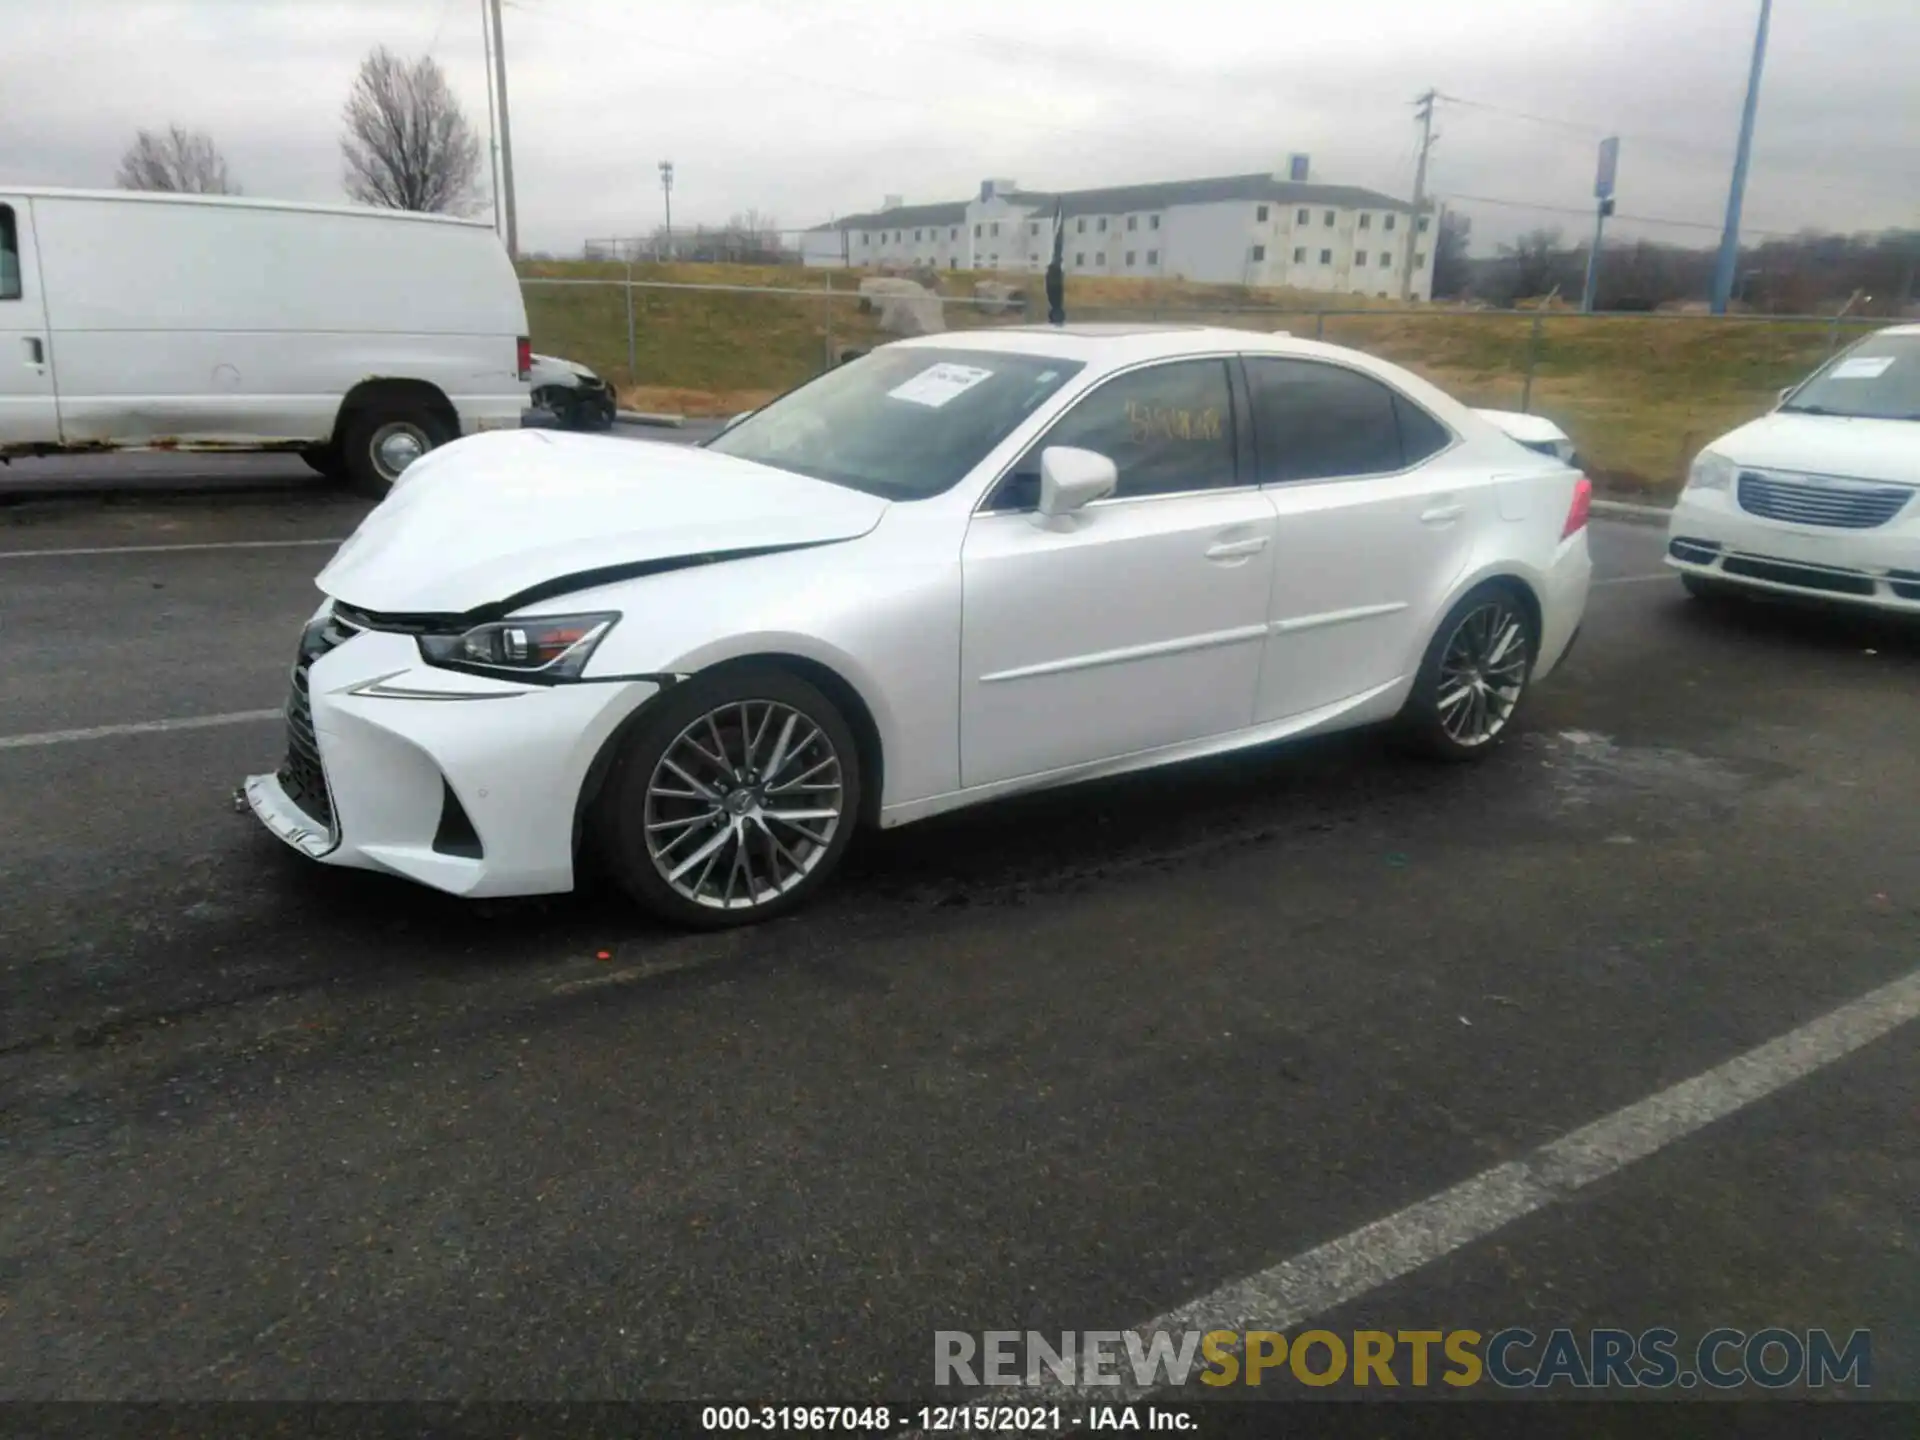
[666, 189]
[506, 133]
[1730, 236]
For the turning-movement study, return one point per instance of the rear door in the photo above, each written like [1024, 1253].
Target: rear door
[29, 414]
[1373, 526]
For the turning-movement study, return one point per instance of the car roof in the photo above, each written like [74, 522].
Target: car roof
[241, 202]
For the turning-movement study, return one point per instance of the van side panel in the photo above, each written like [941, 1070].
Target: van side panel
[28, 415]
[213, 324]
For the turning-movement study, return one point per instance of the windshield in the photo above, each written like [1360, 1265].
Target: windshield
[1878, 379]
[899, 423]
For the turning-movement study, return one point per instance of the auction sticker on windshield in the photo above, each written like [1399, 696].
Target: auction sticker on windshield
[937, 384]
[1863, 367]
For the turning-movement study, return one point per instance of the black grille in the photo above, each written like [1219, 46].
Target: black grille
[301, 775]
[1805, 577]
[1906, 583]
[1841, 506]
[1696, 552]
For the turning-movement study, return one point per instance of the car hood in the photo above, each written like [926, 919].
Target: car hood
[486, 519]
[549, 368]
[1827, 445]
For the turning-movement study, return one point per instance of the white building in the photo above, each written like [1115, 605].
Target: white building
[1235, 229]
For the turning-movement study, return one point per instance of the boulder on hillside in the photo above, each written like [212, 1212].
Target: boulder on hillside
[904, 307]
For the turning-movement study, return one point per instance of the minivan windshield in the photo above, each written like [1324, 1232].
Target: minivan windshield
[1879, 379]
[900, 423]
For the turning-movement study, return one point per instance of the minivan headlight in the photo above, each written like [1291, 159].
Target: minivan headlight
[544, 647]
[1711, 472]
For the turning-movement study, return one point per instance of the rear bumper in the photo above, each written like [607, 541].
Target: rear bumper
[1563, 602]
[1879, 568]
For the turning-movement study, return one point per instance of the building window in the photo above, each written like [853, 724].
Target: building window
[1153, 222]
[1326, 257]
[1366, 222]
[1386, 258]
[1101, 224]
[916, 236]
[1327, 219]
[1100, 258]
[1130, 258]
[1080, 226]
[1303, 217]
[865, 238]
[954, 263]
[1153, 257]
[1033, 227]
[1299, 254]
[1261, 214]
[976, 231]
[1133, 222]
[1259, 252]
[1079, 257]
[954, 234]
[1422, 226]
[994, 261]
[1359, 257]
[994, 228]
[1388, 223]
[1420, 261]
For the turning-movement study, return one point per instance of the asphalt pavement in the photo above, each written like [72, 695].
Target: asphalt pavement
[269, 1130]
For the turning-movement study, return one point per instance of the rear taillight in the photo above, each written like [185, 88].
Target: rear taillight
[526, 358]
[1582, 505]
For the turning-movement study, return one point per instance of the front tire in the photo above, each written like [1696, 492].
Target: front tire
[734, 799]
[1474, 676]
[380, 441]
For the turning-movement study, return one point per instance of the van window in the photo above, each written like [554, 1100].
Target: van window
[9, 256]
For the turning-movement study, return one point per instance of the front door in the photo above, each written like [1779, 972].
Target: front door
[1138, 621]
[29, 414]
[1373, 527]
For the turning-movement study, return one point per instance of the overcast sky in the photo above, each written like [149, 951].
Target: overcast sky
[807, 108]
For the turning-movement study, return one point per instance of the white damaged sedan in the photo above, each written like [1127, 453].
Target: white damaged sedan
[960, 567]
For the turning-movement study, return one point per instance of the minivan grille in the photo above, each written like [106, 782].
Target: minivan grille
[1841, 505]
[301, 775]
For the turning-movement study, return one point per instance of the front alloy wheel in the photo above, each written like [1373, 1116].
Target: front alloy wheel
[736, 801]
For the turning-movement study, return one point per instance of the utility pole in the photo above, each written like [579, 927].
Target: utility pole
[1425, 115]
[1730, 236]
[493, 136]
[506, 132]
[666, 189]
[1603, 196]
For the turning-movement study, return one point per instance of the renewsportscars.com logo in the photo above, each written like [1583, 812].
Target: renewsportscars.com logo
[1514, 1359]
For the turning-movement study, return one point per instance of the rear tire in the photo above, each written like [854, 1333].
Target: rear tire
[708, 845]
[1473, 678]
[377, 437]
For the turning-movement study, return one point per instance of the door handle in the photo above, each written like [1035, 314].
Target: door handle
[1442, 514]
[1237, 549]
[36, 350]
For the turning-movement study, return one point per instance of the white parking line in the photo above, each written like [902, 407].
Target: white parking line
[1366, 1259]
[166, 549]
[139, 727]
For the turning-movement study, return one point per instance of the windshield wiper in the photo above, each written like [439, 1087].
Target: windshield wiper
[1810, 410]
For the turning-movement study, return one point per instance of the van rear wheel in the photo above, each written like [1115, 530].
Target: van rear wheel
[324, 460]
[382, 441]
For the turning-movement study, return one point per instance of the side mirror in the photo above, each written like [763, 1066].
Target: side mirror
[1071, 478]
[1786, 393]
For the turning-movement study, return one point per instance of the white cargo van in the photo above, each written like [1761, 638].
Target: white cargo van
[357, 338]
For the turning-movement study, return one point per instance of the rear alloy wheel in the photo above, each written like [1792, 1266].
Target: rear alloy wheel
[382, 442]
[1473, 678]
[735, 801]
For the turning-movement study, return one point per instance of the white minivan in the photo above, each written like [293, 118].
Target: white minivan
[356, 338]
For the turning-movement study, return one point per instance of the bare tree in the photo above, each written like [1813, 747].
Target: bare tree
[182, 160]
[408, 144]
[1450, 273]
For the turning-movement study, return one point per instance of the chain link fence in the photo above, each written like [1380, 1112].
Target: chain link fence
[1639, 393]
